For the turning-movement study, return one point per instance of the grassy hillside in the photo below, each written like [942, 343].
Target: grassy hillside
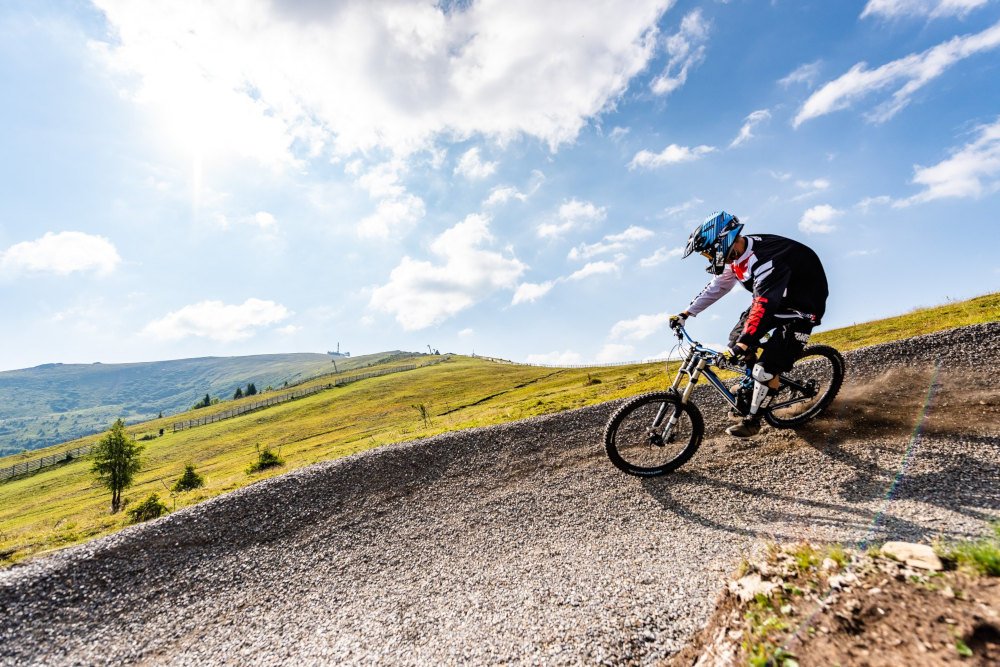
[56, 402]
[921, 321]
[62, 505]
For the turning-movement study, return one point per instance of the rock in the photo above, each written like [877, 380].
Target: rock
[914, 555]
[839, 581]
[750, 586]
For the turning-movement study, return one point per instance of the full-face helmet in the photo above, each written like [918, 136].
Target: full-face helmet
[713, 239]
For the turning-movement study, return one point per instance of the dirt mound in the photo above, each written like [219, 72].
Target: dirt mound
[800, 606]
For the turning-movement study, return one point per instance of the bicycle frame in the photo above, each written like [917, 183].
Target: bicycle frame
[700, 360]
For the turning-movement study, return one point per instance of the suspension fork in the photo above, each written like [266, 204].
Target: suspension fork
[692, 368]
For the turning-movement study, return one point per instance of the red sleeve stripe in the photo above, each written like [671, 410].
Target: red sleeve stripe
[756, 313]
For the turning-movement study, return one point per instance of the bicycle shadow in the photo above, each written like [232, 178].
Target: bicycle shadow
[876, 470]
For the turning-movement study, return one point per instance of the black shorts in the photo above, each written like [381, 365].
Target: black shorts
[785, 345]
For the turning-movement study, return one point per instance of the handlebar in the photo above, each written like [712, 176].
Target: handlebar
[681, 332]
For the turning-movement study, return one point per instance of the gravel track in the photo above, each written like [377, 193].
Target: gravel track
[518, 543]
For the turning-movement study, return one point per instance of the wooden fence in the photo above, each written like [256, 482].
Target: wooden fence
[612, 364]
[44, 462]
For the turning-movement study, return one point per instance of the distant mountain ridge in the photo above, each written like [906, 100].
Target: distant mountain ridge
[52, 403]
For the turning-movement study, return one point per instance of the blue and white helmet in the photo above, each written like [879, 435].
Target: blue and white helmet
[714, 238]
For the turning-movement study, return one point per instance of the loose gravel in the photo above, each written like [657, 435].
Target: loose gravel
[517, 543]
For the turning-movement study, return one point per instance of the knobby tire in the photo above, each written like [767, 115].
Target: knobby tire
[828, 361]
[629, 449]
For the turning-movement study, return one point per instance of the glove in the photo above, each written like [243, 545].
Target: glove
[677, 321]
[737, 355]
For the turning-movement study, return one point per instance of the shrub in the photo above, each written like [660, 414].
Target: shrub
[982, 556]
[265, 459]
[189, 480]
[150, 508]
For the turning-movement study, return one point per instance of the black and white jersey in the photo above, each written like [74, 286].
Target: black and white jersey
[786, 278]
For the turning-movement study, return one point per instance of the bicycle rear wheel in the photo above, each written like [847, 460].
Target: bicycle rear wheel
[639, 445]
[808, 388]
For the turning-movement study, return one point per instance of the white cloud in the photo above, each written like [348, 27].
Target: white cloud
[615, 352]
[61, 253]
[660, 256]
[472, 167]
[502, 194]
[391, 217]
[671, 211]
[421, 293]
[567, 358]
[817, 220]
[971, 171]
[619, 132]
[640, 328]
[913, 71]
[572, 214]
[815, 184]
[611, 243]
[264, 220]
[812, 188]
[531, 292]
[596, 269]
[391, 76]
[686, 49]
[807, 74]
[261, 219]
[217, 321]
[382, 181]
[289, 329]
[465, 333]
[672, 154]
[892, 9]
[867, 203]
[749, 123]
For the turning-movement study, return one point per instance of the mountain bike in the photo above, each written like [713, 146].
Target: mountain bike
[656, 433]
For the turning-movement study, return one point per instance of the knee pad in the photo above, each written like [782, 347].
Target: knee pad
[761, 375]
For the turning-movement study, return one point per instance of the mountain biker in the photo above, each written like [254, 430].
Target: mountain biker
[789, 294]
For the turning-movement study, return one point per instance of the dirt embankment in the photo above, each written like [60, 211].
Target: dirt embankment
[520, 543]
[800, 605]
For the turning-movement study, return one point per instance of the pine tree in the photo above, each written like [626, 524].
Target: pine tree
[116, 461]
[238, 394]
[251, 389]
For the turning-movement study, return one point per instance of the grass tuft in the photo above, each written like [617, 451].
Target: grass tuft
[981, 556]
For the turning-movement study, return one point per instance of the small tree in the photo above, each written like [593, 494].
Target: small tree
[265, 459]
[189, 480]
[203, 403]
[238, 394]
[422, 409]
[116, 461]
[251, 389]
[150, 508]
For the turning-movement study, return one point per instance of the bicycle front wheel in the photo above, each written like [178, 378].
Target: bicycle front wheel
[808, 388]
[653, 434]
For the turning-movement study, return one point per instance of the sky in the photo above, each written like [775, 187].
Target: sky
[508, 178]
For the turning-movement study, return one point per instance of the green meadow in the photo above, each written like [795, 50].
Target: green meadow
[62, 505]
